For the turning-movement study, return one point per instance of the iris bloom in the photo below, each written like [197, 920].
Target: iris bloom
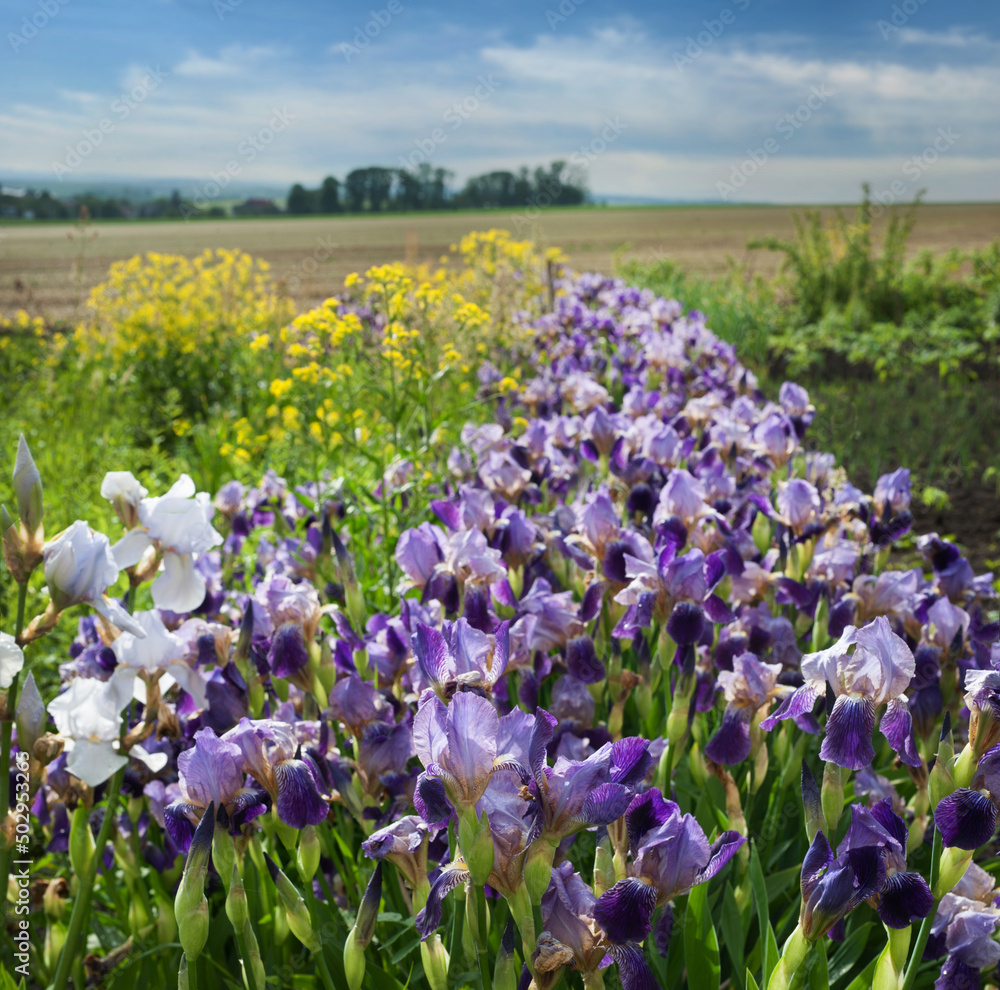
[670, 855]
[577, 940]
[904, 896]
[834, 886]
[461, 657]
[964, 927]
[161, 655]
[88, 717]
[269, 751]
[179, 525]
[458, 745]
[876, 673]
[748, 687]
[210, 772]
[79, 568]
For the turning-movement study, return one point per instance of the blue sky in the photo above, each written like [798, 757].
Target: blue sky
[749, 100]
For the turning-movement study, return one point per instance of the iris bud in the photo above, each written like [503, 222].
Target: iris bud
[538, 869]
[28, 491]
[832, 796]
[604, 866]
[308, 854]
[190, 904]
[811, 803]
[761, 532]
[295, 908]
[354, 961]
[941, 782]
[236, 901]
[435, 958]
[81, 842]
[505, 972]
[476, 843]
[954, 863]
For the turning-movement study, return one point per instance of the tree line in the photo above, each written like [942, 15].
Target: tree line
[377, 189]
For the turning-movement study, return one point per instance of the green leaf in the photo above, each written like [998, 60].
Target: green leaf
[769, 943]
[864, 980]
[701, 947]
[849, 952]
[751, 982]
[733, 934]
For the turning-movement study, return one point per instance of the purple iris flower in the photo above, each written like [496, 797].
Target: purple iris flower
[964, 929]
[269, 751]
[834, 886]
[457, 744]
[904, 897]
[876, 673]
[670, 855]
[358, 704]
[404, 844]
[210, 772]
[575, 939]
[967, 818]
[892, 491]
[461, 656]
[748, 687]
[574, 795]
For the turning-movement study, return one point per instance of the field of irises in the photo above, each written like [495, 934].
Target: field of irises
[517, 639]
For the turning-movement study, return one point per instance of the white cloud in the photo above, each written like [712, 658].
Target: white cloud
[954, 37]
[684, 130]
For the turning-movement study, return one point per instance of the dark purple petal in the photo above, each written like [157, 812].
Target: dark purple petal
[725, 847]
[715, 568]
[966, 819]
[906, 898]
[731, 743]
[625, 911]
[593, 598]
[606, 803]
[717, 610]
[633, 970]
[299, 802]
[957, 975]
[431, 801]
[582, 661]
[849, 729]
[429, 917]
[178, 826]
[816, 862]
[897, 727]
[686, 623]
[288, 653]
[882, 812]
[646, 812]
[868, 866]
[614, 561]
[630, 759]
[799, 702]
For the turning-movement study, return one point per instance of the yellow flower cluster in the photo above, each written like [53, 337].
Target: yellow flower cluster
[410, 338]
[158, 306]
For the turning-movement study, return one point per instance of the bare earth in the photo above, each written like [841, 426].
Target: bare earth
[49, 268]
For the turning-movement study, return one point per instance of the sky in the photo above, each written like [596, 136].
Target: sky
[700, 100]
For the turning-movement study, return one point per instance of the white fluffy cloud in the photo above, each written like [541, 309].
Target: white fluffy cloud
[683, 125]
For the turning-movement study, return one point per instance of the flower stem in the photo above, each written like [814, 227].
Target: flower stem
[6, 735]
[82, 904]
[925, 926]
[482, 941]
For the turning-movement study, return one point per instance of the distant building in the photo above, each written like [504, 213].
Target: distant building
[256, 208]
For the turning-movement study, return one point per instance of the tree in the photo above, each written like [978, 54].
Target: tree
[298, 200]
[357, 189]
[329, 195]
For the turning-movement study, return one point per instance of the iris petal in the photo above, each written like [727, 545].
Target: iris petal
[849, 729]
